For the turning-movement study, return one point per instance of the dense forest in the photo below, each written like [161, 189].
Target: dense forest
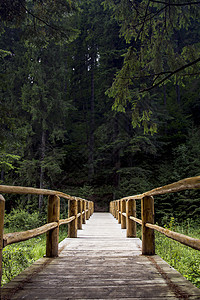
[100, 99]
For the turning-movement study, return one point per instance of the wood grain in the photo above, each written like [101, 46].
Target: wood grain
[16, 237]
[183, 239]
[181, 185]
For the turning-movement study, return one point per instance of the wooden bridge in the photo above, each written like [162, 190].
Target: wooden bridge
[103, 260]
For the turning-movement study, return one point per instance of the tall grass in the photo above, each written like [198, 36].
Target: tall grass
[17, 257]
[184, 259]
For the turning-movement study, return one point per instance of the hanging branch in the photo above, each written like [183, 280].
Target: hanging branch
[41, 20]
[171, 74]
[175, 4]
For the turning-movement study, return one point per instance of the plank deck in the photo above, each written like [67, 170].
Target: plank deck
[100, 264]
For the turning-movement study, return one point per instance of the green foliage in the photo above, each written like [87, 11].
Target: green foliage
[182, 258]
[19, 256]
[41, 22]
[159, 53]
[21, 218]
[15, 260]
[86, 191]
[7, 160]
[4, 53]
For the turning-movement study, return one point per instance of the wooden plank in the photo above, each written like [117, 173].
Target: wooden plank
[103, 264]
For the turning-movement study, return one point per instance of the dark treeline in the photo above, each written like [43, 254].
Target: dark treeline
[60, 127]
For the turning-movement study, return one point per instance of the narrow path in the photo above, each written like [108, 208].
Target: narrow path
[102, 264]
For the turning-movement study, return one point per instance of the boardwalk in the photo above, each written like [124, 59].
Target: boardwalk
[101, 264]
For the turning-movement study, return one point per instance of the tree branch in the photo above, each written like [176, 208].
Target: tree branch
[171, 74]
[175, 4]
[144, 20]
[41, 20]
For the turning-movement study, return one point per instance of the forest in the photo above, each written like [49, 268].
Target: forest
[100, 99]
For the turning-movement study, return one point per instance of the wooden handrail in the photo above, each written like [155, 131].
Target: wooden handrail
[181, 238]
[16, 237]
[147, 220]
[66, 221]
[52, 227]
[181, 185]
[6, 189]
[136, 220]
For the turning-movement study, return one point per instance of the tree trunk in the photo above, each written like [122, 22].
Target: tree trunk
[116, 155]
[178, 95]
[91, 134]
[165, 96]
[2, 175]
[43, 148]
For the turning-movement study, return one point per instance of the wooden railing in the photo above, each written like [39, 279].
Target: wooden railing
[124, 210]
[79, 210]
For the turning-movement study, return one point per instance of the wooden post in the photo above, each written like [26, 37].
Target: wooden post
[2, 212]
[52, 236]
[111, 207]
[148, 238]
[114, 209]
[119, 211]
[130, 224]
[80, 205]
[84, 209]
[92, 207]
[116, 212]
[123, 210]
[72, 211]
[87, 208]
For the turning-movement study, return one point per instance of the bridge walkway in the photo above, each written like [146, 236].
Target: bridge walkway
[100, 264]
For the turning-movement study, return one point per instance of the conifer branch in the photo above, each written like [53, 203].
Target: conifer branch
[41, 20]
[175, 4]
[171, 73]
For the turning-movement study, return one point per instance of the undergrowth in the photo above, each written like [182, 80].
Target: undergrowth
[17, 257]
[184, 259]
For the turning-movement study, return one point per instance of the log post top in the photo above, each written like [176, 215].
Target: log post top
[2, 198]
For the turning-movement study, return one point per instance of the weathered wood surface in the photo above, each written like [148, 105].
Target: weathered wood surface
[181, 185]
[16, 237]
[101, 264]
[181, 238]
[8, 189]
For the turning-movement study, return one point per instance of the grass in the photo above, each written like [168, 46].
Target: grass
[17, 257]
[184, 259]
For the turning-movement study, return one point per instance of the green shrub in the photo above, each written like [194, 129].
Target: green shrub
[22, 219]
